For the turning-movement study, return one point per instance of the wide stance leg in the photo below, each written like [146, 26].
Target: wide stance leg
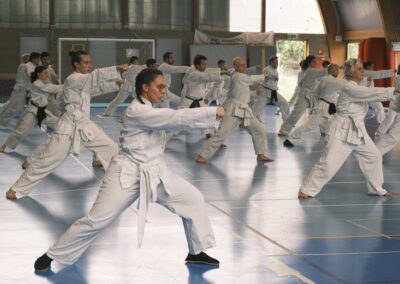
[111, 201]
[188, 203]
[283, 105]
[300, 107]
[333, 157]
[258, 135]
[24, 127]
[225, 127]
[390, 139]
[370, 161]
[15, 104]
[385, 125]
[119, 99]
[259, 103]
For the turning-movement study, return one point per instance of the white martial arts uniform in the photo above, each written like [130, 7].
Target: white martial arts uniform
[392, 112]
[40, 91]
[296, 93]
[170, 97]
[128, 88]
[140, 172]
[73, 129]
[238, 111]
[270, 84]
[347, 135]
[19, 94]
[326, 92]
[305, 100]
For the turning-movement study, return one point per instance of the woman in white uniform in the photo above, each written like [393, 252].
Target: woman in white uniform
[74, 127]
[140, 172]
[347, 135]
[36, 109]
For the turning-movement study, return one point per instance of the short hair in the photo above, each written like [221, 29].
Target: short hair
[221, 61]
[133, 59]
[44, 54]
[235, 60]
[167, 55]
[325, 63]
[198, 58]
[146, 76]
[150, 61]
[272, 58]
[34, 55]
[349, 66]
[368, 64]
[76, 57]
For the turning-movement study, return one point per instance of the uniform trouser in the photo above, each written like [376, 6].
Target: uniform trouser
[15, 104]
[389, 119]
[294, 98]
[54, 153]
[228, 123]
[390, 139]
[25, 125]
[319, 116]
[119, 99]
[264, 98]
[333, 157]
[300, 107]
[182, 199]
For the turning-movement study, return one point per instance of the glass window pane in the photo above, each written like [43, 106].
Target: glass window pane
[245, 15]
[293, 16]
[214, 15]
[24, 13]
[352, 50]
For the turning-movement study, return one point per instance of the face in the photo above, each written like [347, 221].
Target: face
[313, 63]
[135, 62]
[36, 60]
[358, 73]
[202, 66]
[333, 70]
[223, 66]
[44, 75]
[240, 65]
[85, 66]
[46, 61]
[274, 63]
[171, 59]
[25, 59]
[155, 91]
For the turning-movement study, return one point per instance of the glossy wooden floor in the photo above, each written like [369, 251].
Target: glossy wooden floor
[264, 233]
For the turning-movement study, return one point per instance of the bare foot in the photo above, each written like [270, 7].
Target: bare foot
[223, 145]
[201, 160]
[208, 135]
[106, 114]
[302, 195]
[120, 120]
[25, 165]
[2, 148]
[11, 194]
[281, 133]
[96, 163]
[263, 158]
[377, 133]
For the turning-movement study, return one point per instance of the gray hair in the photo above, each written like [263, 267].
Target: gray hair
[235, 60]
[349, 66]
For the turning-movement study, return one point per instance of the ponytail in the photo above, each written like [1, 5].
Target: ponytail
[35, 73]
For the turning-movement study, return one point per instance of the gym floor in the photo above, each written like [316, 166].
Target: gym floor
[264, 233]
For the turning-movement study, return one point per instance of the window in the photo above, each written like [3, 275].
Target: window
[24, 13]
[352, 50]
[245, 15]
[214, 15]
[293, 16]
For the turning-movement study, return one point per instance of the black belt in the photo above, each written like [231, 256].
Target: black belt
[195, 103]
[274, 95]
[40, 114]
[332, 107]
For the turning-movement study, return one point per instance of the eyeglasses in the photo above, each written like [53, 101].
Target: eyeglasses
[161, 87]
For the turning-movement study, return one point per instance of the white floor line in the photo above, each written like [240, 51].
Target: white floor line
[282, 269]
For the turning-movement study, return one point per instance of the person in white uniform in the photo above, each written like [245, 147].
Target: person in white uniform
[36, 109]
[327, 94]
[219, 90]
[296, 93]
[392, 112]
[237, 112]
[126, 88]
[168, 68]
[306, 96]
[140, 172]
[74, 127]
[271, 94]
[21, 90]
[347, 135]
[25, 58]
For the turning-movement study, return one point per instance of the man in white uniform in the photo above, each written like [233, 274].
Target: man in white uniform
[74, 127]
[238, 111]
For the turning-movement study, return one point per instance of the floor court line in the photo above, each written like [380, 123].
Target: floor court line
[368, 229]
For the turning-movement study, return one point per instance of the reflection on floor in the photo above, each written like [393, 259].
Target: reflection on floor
[264, 233]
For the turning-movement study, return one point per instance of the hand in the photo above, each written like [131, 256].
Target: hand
[397, 90]
[225, 72]
[266, 75]
[124, 67]
[120, 82]
[206, 101]
[220, 112]
[260, 91]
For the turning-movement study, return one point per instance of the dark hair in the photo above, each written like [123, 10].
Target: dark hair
[34, 55]
[368, 64]
[306, 62]
[326, 63]
[76, 57]
[44, 54]
[272, 58]
[198, 58]
[398, 69]
[150, 61]
[133, 59]
[167, 55]
[146, 76]
[221, 61]
[35, 73]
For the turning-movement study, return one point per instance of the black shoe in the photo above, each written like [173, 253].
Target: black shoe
[201, 258]
[287, 143]
[43, 263]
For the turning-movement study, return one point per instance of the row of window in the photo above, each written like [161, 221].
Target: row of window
[286, 16]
